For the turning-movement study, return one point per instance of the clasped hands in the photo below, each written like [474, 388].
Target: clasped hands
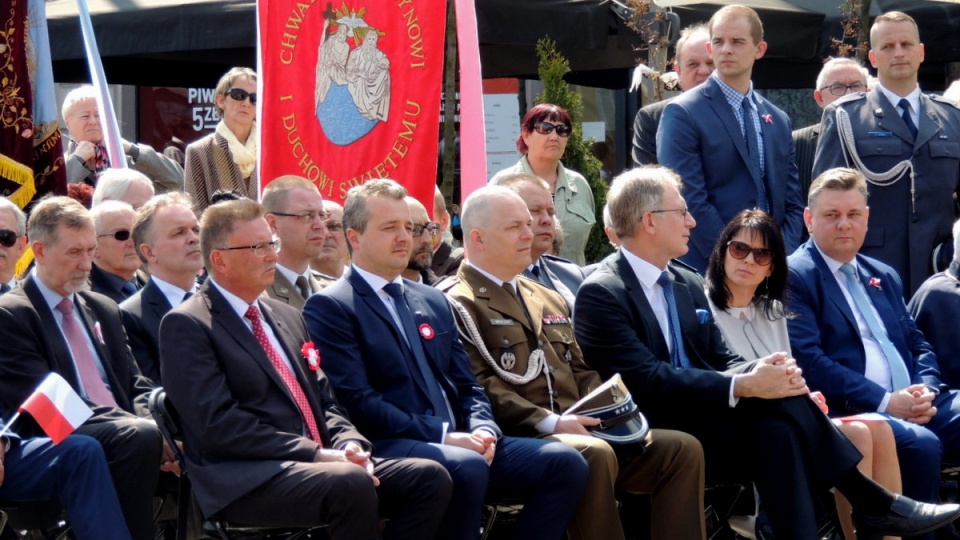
[772, 377]
[913, 404]
[480, 441]
[351, 453]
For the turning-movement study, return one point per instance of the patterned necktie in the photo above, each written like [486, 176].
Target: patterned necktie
[101, 160]
[409, 329]
[907, 119]
[898, 371]
[253, 314]
[678, 355]
[303, 286]
[93, 384]
[753, 149]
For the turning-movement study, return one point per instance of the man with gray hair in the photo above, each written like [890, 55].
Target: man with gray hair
[294, 210]
[935, 308]
[838, 77]
[126, 185]
[53, 324]
[13, 242]
[166, 237]
[115, 262]
[266, 442]
[391, 349]
[86, 156]
[648, 319]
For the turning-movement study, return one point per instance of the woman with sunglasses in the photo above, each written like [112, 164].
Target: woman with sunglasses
[544, 132]
[746, 286]
[226, 159]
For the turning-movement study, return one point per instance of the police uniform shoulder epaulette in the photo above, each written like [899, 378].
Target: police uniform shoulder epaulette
[447, 283]
[850, 98]
[943, 100]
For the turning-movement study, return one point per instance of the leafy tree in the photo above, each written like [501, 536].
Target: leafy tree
[577, 157]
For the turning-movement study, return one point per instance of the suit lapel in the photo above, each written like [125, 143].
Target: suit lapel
[888, 116]
[882, 303]
[95, 331]
[61, 360]
[929, 122]
[728, 119]
[656, 340]
[533, 304]
[831, 288]
[373, 302]
[155, 299]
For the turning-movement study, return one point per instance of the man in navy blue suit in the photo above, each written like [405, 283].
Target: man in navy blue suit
[733, 149]
[73, 472]
[391, 349]
[855, 340]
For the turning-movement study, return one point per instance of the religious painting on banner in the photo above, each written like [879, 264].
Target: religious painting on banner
[351, 92]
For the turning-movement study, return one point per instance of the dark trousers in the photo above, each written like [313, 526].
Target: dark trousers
[74, 472]
[133, 447]
[790, 449]
[547, 477]
[412, 493]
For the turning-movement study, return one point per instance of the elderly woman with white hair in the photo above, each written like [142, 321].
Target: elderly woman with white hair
[125, 185]
[227, 158]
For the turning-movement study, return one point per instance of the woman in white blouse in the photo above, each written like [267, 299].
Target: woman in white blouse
[746, 284]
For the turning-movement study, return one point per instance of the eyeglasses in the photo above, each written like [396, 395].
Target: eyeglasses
[334, 226]
[432, 228]
[260, 250]
[546, 128]
[305, 217]
[120, 236]
[683, 211]
[239, 94]
[739, 251]
[838, 89]
[8, 238]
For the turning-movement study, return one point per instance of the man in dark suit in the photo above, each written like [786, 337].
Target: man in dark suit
[530, 396]
[74, 472]
[648, 319]
[13, 242]
[115, 262]
[334, 256]
[731, 147]
[265, 441]
[391, 349]
[51, 324]
[692, 65]
[294, 210]
[838, 77]
[166, 236]
[419, 268]
[446, 258]
[935, 307]
[559, 274]
[911, 157]
[857, 343]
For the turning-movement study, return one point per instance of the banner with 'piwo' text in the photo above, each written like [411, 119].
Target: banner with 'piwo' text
[351, 91]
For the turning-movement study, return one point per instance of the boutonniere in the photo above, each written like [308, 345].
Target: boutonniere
[768, 118]
[875, 282]
[99, 333]
[311, 354]
[427, 331]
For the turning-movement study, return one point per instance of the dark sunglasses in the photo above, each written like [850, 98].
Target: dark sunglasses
[546, 128]
[119, 236]
[239, 94]
[8, 238]
[739, 251]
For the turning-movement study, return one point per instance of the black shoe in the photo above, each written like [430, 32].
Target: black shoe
[906, 517]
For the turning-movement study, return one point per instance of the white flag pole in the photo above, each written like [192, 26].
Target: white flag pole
[108, 116]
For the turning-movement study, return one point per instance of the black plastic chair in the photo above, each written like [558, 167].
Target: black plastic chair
[168, 422]
[36, 518]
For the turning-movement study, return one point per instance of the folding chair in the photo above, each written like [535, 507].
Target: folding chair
[169, 423]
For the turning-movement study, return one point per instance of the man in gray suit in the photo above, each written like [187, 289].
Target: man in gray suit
[294, 210]
[693, 65]
[907, 144]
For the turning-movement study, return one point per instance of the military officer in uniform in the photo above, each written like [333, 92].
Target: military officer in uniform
[524, 354]
[907, 144]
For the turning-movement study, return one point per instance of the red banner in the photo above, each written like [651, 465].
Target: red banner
[351, 92]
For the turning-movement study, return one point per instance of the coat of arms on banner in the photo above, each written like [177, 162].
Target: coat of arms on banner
[351, 92]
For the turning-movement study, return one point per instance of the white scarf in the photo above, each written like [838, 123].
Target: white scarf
[244, 155]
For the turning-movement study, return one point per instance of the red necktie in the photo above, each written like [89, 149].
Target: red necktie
[96, 390]
[285, 373]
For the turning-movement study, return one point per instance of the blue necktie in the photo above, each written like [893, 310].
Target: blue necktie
[677, 354]
[409, 329]
[129, 289]
[898, 371]
[907, 119]
[753, 148]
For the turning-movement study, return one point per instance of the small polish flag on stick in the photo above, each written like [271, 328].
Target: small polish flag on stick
[55, 407]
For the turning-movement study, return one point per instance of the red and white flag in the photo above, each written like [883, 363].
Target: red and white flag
[56, 408]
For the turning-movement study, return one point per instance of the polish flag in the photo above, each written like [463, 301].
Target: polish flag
[56, 408]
